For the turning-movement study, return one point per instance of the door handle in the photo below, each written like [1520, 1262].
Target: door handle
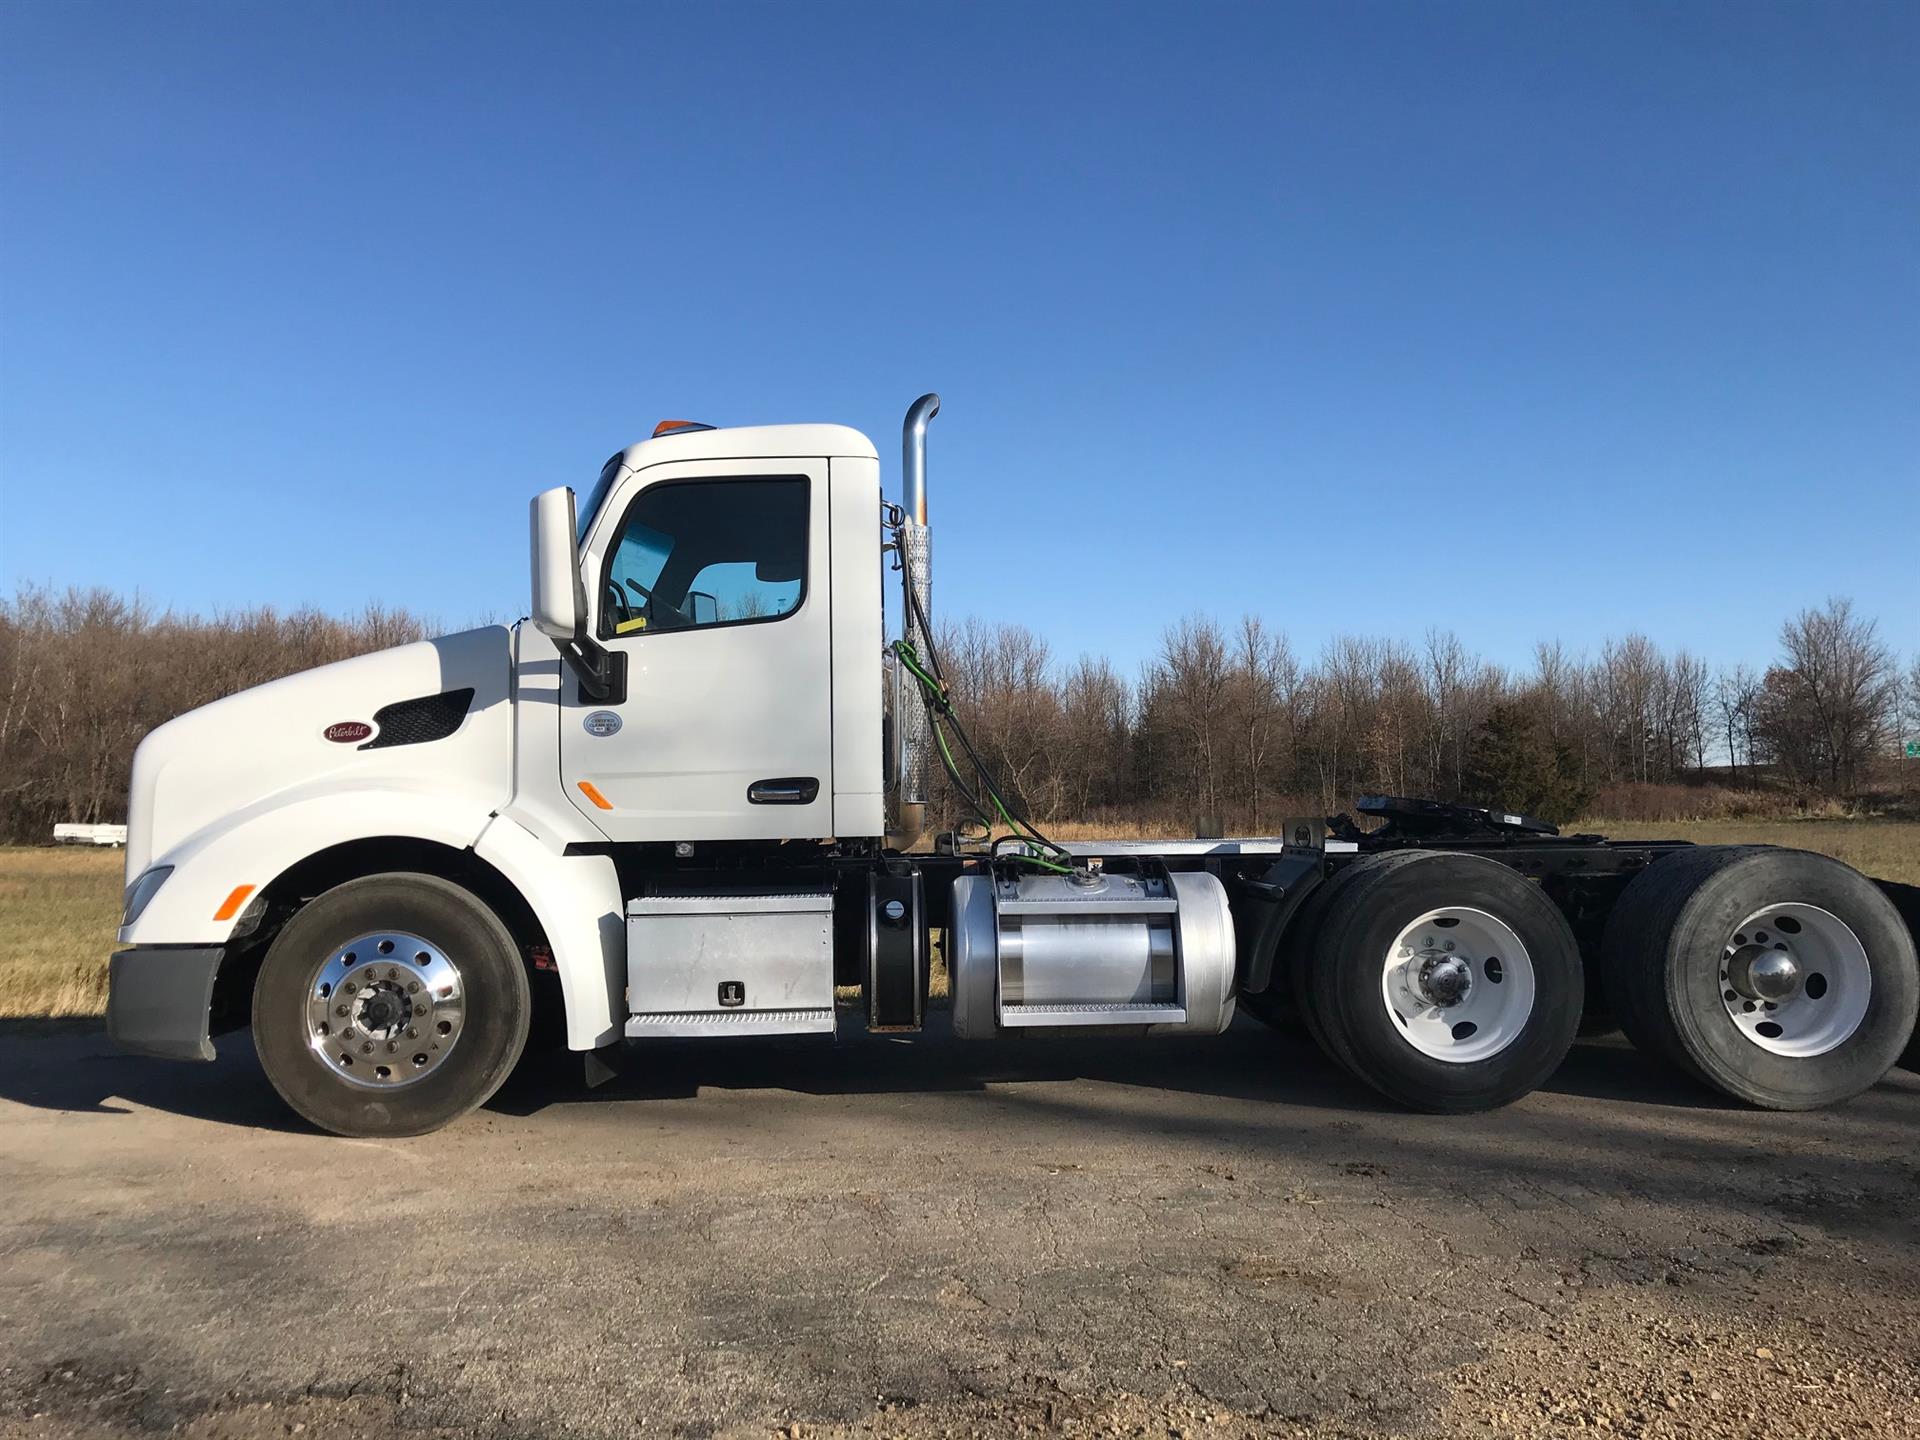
[787, 790]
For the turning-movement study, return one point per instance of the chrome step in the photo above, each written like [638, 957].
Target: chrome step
[1014, 1017]
[693, 1024]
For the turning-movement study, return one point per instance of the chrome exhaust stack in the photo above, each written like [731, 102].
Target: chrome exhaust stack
[916, 594]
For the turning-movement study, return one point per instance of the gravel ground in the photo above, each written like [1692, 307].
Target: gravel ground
[917, 1237]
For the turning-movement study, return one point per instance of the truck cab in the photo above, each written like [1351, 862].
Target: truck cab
[732, 578]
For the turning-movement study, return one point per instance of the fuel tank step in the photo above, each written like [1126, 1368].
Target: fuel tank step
[1012, 1017]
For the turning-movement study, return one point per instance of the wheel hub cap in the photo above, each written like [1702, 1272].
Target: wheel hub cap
[385, 1010]
[1445, 981]
[1762, 974]
[1795, 980]
[1458, 984]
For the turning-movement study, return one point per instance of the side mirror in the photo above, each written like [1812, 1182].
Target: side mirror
[559, 600]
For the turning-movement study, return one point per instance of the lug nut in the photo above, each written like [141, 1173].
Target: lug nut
[340, 1010]
[413, 987]
[420, 1009]
[412, 1034]
[367, 1049]
[391, 1047]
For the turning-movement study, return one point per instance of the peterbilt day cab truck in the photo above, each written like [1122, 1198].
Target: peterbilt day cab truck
[687, 797]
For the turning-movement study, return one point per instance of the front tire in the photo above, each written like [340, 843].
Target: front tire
[1779, 977]
[1447, 982]
[390, 1005]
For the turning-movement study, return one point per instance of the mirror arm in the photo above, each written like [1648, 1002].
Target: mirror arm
[602, 673]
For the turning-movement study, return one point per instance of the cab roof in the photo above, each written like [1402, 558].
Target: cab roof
[750, 442]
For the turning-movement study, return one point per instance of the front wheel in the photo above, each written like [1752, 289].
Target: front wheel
[390, 1005]
[1447, 982]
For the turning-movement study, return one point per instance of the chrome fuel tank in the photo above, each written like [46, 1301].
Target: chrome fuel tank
[1049, 951]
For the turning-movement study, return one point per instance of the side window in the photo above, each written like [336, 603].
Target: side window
[698, 553]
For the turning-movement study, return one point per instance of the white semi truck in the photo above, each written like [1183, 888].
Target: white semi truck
[688, 798]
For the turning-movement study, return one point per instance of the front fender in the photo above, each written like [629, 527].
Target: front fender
[576, 898]
[247, 850]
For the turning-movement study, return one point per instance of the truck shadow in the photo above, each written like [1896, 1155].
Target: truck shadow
[1250, 1063]
[71, 1066]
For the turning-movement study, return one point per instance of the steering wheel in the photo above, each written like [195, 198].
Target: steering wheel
[659, 610]
[618, 611]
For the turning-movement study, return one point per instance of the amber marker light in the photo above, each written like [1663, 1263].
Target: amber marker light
[586, 789]
[230, 907]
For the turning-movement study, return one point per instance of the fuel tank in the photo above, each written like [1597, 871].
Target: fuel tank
[1146, 953]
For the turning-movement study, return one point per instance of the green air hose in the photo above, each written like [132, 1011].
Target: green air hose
[1034, 847]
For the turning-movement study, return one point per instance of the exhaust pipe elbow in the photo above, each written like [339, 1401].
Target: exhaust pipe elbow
[913, 457]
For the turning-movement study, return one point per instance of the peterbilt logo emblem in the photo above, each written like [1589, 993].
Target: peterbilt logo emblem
[601, 723]
[347, 732]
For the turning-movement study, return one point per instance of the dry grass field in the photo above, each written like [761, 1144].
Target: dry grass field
[58, 911]
[58, 907]
[1884, 849]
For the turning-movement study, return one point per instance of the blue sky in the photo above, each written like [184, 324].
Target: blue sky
[1531, 320]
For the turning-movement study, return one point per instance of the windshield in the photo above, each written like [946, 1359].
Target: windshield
[596, 497]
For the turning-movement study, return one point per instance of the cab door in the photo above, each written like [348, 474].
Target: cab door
[711, 578]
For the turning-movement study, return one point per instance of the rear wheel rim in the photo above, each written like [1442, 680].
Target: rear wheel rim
[385, 1010]
[1795, 980]
[1458, 984]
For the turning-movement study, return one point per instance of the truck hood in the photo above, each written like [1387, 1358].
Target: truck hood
[397, 718]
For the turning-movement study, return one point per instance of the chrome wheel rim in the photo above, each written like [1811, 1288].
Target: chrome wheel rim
[1795, 980]
[1458, 984]
[385, 1010]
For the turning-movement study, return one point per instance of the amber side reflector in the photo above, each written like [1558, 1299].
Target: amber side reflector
[230, 907]
[586, 789]
[667, 427]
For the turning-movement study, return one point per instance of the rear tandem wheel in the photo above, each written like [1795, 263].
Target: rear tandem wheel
[1779, 977]
[1448, 982]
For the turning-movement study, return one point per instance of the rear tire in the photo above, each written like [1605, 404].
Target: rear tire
[1447, 982]
[1679, 961]
[390, 1005]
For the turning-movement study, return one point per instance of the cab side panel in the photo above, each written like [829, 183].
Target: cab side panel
[858, 804]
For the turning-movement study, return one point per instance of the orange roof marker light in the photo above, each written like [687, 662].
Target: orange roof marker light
[586, 789]
[230, 906]
[675, 427]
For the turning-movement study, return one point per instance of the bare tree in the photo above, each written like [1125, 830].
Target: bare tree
[1192, 678]
[1265, 681]
[1735, 693]
[1095, 710]
[1834, 697]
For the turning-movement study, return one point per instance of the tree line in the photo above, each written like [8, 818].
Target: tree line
[1232, 724]
[84, 674]
[1225, 721]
